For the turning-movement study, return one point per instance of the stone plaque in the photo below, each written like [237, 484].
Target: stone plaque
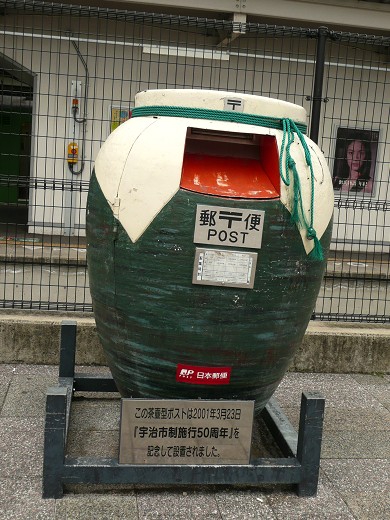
[224, 268]
[228, 227]
[185, 431]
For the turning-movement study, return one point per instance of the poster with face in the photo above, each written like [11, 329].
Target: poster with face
[355, 160]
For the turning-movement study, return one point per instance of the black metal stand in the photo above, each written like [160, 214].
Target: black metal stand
[300, 465]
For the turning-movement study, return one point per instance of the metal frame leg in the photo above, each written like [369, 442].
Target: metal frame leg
[309, 442]
[67, 348]
[55, 440]
[58, 404]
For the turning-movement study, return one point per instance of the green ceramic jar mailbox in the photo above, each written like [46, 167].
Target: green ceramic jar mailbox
[208, 223]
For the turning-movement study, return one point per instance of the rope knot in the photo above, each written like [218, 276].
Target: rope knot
[311, 233]
[291, 163]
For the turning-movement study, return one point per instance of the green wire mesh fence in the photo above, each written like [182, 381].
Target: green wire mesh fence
[69, 75]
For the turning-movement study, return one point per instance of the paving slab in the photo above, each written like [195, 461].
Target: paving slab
[6, 374]
[21, 442]
[373, 444]
[377, 386]
[42, 371]
[369, 506]
[367, 380]
[21, 499]
[26, 396]
[357, 419]
[357, 476]
[338, 390]
[98, 414]
[7, 370]
[244, 505]
[93, 443]
[97, 507]
[327, 505]
[183, 505]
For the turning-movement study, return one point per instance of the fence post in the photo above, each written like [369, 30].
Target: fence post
[318, 83]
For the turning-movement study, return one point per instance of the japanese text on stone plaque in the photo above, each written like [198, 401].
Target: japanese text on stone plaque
[236, 227]
[185, 432]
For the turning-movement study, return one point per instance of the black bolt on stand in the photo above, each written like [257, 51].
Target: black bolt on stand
[299, 466]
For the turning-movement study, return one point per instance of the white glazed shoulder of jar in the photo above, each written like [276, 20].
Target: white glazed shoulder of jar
[139, 171]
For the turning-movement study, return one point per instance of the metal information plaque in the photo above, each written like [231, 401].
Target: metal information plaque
[232, 227]
[224, 268]
[185, 431]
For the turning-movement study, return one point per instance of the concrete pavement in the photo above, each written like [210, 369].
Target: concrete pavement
[355, 461]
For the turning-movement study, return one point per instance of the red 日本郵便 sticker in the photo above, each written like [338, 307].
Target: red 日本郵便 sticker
[203, 375]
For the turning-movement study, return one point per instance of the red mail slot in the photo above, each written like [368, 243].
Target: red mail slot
[231, 164]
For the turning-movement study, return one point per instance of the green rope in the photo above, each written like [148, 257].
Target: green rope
[297, 212]
[207, 113]
[289, 127]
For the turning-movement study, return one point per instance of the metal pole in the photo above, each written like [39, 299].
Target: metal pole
[318, 82]
[67, 348]
[309, 442]
[55, 440]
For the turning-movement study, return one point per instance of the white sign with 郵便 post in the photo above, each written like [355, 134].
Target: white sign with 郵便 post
[231, 227]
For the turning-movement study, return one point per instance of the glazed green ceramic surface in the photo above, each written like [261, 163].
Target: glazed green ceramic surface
[150, 316]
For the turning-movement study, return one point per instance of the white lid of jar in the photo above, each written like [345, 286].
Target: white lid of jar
[218, 100]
